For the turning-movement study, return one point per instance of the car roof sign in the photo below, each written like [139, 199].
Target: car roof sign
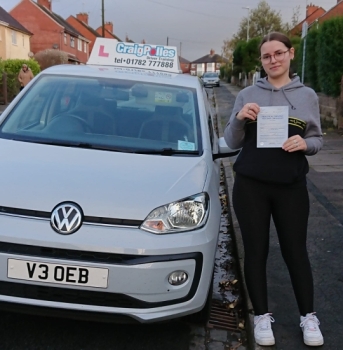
[111, 52]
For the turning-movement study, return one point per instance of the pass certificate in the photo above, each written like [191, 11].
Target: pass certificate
[272, 126]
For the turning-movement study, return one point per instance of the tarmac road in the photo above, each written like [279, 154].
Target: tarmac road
[325, 242]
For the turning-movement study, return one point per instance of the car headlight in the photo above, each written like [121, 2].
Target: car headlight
[185, 215]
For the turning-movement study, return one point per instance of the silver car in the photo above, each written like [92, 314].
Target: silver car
[210, 79]
[109, 202]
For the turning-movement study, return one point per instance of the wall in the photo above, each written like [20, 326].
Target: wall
[9, 50]
[19, 50]
[2, 43]
[84, 32]
[331, 110]
[46, 31]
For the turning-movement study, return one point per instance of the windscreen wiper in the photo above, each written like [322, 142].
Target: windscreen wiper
[165, 151]
[85, 145]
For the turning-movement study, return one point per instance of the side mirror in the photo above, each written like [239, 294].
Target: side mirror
[224, 150]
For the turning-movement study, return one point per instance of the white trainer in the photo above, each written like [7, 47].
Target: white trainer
[310, 327]
[263, 330]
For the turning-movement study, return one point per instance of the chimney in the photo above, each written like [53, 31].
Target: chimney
[212, 52]
[45, 3]
[83, 17]
[109, 26]
[310, 9]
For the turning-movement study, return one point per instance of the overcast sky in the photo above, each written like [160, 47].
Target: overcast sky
[195, 25]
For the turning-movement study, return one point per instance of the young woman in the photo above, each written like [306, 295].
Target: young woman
[271, 182]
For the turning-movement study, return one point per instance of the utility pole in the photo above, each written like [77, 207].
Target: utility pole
[103, 17]
[167, 40]
[247, 8]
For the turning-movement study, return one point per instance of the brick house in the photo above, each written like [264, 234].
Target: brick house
[335, 11]
[185, 65]
[51, 31]
[208, 63]
[80, 23]
[312, 14]
[108, 33]
[14, 38]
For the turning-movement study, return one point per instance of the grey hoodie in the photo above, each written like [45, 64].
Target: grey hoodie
[275, 164]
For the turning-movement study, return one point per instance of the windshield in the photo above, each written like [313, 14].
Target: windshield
[110, 114]
[210, 75]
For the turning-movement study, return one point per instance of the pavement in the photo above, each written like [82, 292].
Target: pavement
[325, 238]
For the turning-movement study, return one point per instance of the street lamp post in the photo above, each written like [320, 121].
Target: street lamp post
[247, 8]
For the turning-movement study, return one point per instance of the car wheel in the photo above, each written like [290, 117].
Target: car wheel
[203, 315]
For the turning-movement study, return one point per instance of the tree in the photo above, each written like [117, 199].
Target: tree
[330, 64]
[262, 21]
[245, 56]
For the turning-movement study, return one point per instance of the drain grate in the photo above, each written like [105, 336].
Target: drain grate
[221, 317]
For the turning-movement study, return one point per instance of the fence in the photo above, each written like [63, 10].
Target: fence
[9, 87]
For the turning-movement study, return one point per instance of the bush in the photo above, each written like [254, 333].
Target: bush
[50, 57]
[296, 62]
[312, 53]
[330, 63]
[12, 68]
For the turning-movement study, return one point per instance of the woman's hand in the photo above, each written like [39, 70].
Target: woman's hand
[249, 111]
[294, 143]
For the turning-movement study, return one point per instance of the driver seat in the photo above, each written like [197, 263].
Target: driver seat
[91, 108]
[166, 124]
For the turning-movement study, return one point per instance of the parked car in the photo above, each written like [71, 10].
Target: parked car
[210, 79]
[110, 205]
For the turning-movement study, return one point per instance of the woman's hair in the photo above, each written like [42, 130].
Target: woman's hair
[277, 37]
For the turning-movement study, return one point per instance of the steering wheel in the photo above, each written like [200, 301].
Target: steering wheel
[60, 119]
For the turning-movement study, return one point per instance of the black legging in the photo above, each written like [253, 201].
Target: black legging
[254, 203]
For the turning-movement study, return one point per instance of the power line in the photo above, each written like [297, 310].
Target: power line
[186, 10]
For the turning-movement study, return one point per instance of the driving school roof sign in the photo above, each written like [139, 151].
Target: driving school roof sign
[110, 52]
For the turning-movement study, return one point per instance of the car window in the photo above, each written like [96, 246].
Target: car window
[210, 75]
[112, 113]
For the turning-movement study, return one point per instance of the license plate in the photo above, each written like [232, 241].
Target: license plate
[57, 273]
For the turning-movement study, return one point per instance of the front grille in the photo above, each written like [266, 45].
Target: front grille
[91, 220]
[73, 296]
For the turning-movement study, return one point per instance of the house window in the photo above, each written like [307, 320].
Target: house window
[210, 67]
[85, 47]
[14, 37]
[193, 66]
[79, 44]
[72, 41]
[186, 66]
[65, 38]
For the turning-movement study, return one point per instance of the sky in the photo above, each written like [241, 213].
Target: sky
[193, 26]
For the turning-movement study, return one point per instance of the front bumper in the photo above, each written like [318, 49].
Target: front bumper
[211, 83]
[138, 277]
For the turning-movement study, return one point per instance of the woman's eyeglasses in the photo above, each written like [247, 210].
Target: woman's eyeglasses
[278, 56]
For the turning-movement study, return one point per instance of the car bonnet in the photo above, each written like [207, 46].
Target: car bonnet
[103, 183]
